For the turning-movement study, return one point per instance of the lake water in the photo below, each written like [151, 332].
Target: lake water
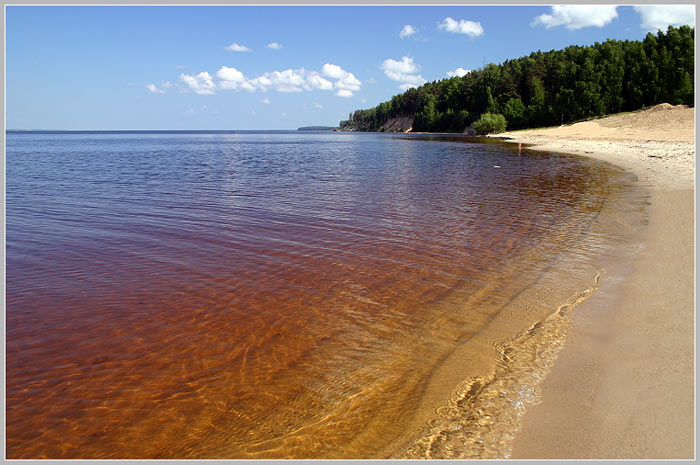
[291, 295]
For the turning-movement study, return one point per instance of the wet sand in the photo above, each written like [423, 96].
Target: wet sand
[622, 386]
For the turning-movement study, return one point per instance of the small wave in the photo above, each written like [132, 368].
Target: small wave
[484, 413]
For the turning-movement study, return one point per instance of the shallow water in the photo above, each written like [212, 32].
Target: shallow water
[283, 295]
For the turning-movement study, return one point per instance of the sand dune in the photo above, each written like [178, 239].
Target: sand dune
[657, 144]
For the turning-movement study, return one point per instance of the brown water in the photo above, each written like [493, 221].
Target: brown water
[284, 295]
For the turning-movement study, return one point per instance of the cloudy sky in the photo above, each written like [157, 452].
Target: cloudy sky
[274, 67]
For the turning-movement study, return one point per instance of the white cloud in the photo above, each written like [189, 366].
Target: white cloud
[407, 31]
[578, 16]
[274, 45]
[403, 71]
[333, 71]
[167, 84]
[189, 111]
[265, 100]
[290, 80]
[470, 28]
[349, 82]
[405, 66]
[230, 74]
[317, 105]
[234, 47]
[413, 79]
[248, 86]
[459, 72]
[202, 83]
[655, 17]
[230, 78]
[346, 82]
[153, 89]
[315, 81]
[261, 82]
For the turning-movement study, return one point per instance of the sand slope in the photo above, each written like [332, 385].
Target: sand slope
[662, 123]
[657, 144]
[622, 387]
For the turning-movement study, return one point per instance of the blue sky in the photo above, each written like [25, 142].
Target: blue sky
[273, 67]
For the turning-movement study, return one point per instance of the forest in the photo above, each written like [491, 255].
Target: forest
[550, 88]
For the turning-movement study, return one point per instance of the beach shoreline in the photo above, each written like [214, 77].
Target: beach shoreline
[622, 386]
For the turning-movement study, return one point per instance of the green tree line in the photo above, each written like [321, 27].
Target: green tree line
[551, 88]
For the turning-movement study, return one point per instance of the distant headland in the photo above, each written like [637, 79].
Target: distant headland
[318, 128]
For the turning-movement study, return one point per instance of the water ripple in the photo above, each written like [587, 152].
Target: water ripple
[268, 295]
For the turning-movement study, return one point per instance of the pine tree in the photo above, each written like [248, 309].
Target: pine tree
[555, 87]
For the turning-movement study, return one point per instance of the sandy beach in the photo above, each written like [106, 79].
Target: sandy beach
[623, 385]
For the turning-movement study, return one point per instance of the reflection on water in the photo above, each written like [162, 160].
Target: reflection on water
[273, 295]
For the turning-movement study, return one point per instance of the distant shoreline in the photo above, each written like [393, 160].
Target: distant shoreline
[318, 128]
[149, 131]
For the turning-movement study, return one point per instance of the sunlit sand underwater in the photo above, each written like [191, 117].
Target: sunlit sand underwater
[292, 295]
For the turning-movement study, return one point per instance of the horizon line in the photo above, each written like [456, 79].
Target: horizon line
[150, 130]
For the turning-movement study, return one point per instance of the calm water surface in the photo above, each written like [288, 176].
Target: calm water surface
[269, 295]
